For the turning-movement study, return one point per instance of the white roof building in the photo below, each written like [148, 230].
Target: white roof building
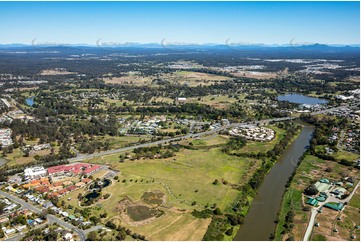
[10, 231]
[68, 236]
[34, 172]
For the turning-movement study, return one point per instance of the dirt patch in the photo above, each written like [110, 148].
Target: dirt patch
[326, 220]
[255, 74]
[131, 80]
[140, 212]
[55, 72]
[154, 198]
[137, 214]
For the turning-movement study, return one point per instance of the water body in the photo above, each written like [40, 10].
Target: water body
[301, 99]
[30, 101]
[92, 195]
[105, 183]
[259, 222]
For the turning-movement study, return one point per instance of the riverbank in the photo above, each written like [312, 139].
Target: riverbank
[225, 226]
[251, 198]
[263, 210]
[295, 218]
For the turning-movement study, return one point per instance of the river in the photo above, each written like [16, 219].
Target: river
[259, 222]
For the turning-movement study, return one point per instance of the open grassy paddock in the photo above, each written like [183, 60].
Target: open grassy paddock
[183, 182]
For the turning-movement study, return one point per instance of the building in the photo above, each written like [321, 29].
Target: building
[4, 220]
[10, 231]
[334, 206]
[5, 102]
[313, 202]
[181, 99]
[21, 228]
[34, 172]
[5, 137]
[252, 132]
[68, 236]
[73, 169]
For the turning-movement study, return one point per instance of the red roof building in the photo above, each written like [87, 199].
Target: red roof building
[86, 180]
[57, 184]
[74, 169]
[72, 188]
[62, 192]
[90, 170]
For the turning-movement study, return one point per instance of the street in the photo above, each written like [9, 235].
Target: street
[51, 218]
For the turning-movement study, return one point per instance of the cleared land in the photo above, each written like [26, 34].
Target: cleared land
[256, 74]
[192, 78]
[182, 183]
[310, 170]
[55, 72]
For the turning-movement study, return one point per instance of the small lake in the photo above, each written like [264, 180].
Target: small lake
[30, 101]
[104, 183]
[301, 99]
[92, 195]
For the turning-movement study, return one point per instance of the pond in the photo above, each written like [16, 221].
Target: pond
[102, 184]
[30, 101]
[301, 99]
[92, 195]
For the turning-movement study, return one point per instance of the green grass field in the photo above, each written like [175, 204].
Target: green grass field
[189, 171]
[210, 141]
[355, 200]
[187, 182]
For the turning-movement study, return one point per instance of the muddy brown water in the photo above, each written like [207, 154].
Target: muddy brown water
[259, 222]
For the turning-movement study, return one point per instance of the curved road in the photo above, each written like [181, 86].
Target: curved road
[51, 218]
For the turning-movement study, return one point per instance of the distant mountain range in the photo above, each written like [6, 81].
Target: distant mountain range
[164, 44]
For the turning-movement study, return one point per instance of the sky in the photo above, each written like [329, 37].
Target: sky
[109, 23]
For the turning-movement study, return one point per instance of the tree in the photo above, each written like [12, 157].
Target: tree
[311, 190]
[229, 232]
[2, 206]
[121, 235]
[92, 236]
[328, 169]
[94, 219]
[217, 211]
[111, 225]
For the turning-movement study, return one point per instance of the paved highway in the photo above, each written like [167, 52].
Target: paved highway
[81, 157]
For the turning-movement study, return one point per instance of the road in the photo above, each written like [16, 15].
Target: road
[19, 236]
[81, 157]
[51, 218]
[311, 223]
